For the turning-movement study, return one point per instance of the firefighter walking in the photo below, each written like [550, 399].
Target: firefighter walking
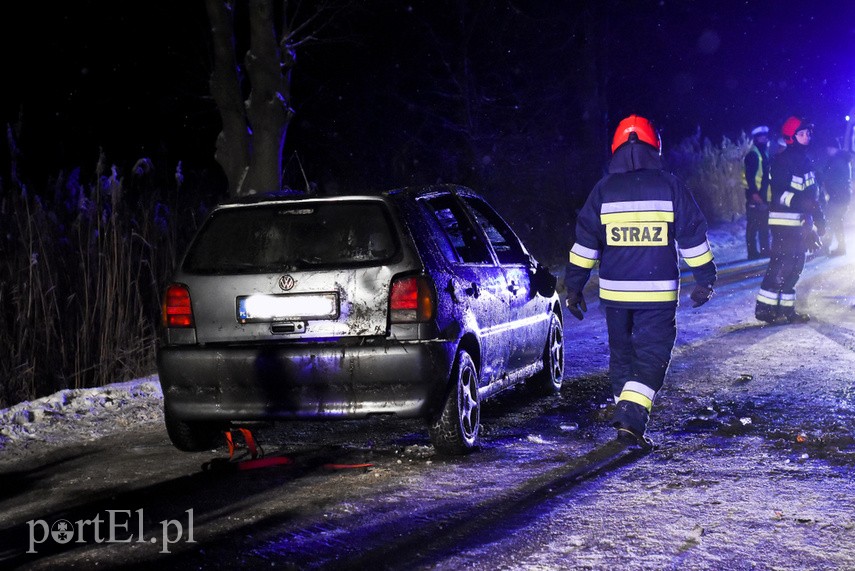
[632, 223]
[836, 182]
[796, 222]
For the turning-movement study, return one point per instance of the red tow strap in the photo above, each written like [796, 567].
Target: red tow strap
[253, 448]
[247, 437]
[263, 462]
[331, 466]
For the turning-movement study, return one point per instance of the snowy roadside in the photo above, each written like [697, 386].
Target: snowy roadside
[88, 414]
[727, 241]
[80, 415]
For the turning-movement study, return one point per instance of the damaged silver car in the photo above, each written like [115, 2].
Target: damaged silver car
[417, 302]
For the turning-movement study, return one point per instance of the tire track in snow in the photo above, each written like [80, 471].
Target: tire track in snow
[492, 520]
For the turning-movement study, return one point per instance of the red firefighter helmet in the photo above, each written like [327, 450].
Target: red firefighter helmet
[643, 129]
[792, 126]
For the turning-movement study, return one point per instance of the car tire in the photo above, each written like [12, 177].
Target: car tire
[457, 428]
[191, 436]
[549, 380]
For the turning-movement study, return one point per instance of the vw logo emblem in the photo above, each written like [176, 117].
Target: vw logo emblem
[286, 282]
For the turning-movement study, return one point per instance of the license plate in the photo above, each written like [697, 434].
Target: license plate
[288, 307]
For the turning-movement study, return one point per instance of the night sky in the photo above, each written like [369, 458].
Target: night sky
[132, 78]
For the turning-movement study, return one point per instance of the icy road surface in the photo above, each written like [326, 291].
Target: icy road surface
[756, 427]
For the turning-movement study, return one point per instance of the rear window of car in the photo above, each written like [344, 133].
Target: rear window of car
[274, 237]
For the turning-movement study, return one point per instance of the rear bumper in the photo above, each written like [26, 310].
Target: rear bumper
[278, 382]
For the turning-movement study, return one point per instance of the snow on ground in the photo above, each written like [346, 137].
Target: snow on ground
[728, 241]
[87, 414]
[80, 415]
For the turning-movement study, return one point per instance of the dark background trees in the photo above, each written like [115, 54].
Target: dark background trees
[478, 93]
[251, 82]
[393, 93]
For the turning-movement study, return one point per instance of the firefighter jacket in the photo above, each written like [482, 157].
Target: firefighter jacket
[795, 193]
[836, 178]
[756, 174]
[633, 223]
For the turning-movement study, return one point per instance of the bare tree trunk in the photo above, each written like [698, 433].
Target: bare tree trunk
[268, 107]
[249, 148]
[233, 143]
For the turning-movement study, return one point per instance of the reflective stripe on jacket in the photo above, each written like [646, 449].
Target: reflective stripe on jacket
[795, 194]
[636, 225]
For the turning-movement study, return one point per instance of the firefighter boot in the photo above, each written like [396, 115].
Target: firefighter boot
[631, 438]
[630, 420]
[792, 316]
[766, 312]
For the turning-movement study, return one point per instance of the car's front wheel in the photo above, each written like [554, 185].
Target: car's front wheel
[548, 381]
[457, 428]
[191, 436]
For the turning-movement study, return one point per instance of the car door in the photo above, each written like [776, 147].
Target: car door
[528, 318]
[477, 284]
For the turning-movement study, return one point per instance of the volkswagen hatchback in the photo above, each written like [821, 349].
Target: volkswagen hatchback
[418, 302]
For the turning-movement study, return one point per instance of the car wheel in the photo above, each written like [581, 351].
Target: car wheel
[191, 436]
[549, 380]
[457, 428]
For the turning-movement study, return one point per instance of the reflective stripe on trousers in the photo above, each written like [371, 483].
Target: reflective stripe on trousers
[640, 344]
[787, 261]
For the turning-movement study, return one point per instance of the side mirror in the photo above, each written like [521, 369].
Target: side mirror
[542, 280]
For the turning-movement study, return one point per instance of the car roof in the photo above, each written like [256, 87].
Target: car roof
[291, 195]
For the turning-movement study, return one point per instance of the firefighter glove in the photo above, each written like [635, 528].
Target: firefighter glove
[576, 305]
[813, 242]
[815, 221]
[701, 294]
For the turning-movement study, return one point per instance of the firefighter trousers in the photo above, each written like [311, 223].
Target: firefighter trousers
[778, 288]
[640, 345]
[757, 230]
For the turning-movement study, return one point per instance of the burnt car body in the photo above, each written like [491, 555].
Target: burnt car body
[417, 302]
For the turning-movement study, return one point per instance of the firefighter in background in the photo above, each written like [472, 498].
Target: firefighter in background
[796, 221]
[632, 223]
[836, 183]
[757, 194]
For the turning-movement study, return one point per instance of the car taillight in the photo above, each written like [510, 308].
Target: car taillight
[177, 311]
[411, 300]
